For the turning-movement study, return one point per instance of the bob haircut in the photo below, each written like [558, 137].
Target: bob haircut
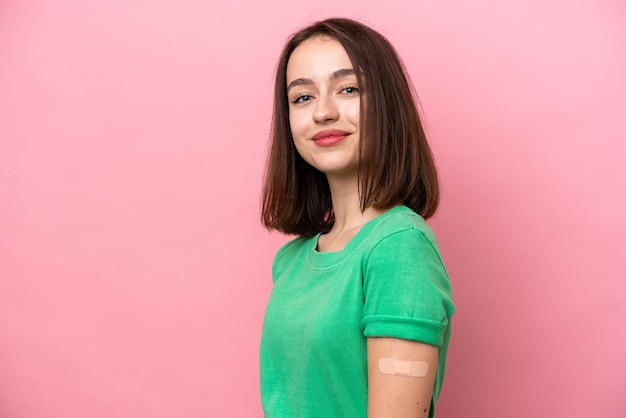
[396, 164]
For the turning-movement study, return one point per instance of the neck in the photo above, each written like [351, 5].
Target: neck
[347, 204]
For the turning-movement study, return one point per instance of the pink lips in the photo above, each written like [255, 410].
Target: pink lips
[329, 138]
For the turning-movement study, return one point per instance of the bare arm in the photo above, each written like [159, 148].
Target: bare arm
[398, 395]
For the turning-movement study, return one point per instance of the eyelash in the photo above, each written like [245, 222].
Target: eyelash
[354, 88]
[299, 98]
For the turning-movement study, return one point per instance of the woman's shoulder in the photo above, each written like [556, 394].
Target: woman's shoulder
[401, 222]
[403, 240]
[291, 250]
[295, 244]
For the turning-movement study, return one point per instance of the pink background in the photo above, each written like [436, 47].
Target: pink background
[133, 269]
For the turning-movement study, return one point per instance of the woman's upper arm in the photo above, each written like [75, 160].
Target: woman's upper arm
[398, 394]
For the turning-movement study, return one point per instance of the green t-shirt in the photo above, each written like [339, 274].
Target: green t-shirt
[389, 281]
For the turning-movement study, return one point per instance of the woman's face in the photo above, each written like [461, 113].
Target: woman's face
[324, 106]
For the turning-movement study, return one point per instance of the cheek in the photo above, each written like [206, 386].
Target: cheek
[296, 131]
[295, 125]
[353, 113]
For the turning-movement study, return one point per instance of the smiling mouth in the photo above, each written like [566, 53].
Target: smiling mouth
[329, 138]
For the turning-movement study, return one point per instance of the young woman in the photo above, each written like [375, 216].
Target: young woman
[358, 322]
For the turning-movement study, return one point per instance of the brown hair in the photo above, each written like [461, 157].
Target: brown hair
[396, 164]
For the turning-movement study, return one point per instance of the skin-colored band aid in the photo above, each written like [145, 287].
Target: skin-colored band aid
[403, 367]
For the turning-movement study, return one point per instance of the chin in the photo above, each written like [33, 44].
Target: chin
[339, 171]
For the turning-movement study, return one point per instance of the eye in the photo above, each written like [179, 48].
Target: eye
[350, 90]
[301, 98]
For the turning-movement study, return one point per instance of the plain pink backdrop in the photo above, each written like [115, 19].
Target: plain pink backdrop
[133, 268]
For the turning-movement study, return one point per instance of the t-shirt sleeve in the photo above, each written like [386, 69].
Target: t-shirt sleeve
[406, 289]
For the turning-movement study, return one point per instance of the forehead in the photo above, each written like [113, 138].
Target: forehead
[317, 57]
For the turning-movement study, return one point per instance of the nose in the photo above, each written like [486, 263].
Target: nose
[325, 109]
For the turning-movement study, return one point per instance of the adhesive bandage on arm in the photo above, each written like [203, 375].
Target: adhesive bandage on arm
[402, 367]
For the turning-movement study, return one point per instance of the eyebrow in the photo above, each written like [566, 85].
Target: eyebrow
[334, 76]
